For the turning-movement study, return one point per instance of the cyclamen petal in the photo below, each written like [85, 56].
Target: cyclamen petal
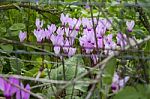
[77, 25]
[71, 23]
[39, 34]
[123, 81]
[118, 83]
[64, 19]
[14, 81]
[56, 50]
[39, 23]
[115, 87]
[25, 95]
[115, 77]
[85, 22]
[60, 31]
[21, 94]
[47, 34]
[121, 40]
[71, 52]
[66, 46]
[51, 28]
[22, 36]
[2, 87]
[8, 89]
[130, 25]
[100, 42]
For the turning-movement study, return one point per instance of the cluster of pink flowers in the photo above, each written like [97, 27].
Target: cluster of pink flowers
[63, 37]
[72, 29]
[9, 89]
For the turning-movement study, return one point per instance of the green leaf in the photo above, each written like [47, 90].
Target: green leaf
[17, 26]
[128, 93]
[2, 29]
[70, 69]
[16, 64]
[147, 47]
[32, 72]
[109, 71]
[7, 47]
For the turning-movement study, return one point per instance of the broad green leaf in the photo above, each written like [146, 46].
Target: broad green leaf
[7, 47]
[109, 71]
[17, 26]
[2, 29]
[127, 93]
[32, 73]
[70, 69]
[16, 65]
[147, 47]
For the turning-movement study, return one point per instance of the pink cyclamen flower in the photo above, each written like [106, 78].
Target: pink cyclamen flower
[87, 7]
[88, 41]
[130, 25]
[39, 34]
[109, 44]
[71, 52]
[21, 94]
[8, 89]
[39, 23]
[64, 19]
[22, 36]
[87, 23]
[50, 29]
[57, 41]
[121, 40]
[68, 49]
[118, 83]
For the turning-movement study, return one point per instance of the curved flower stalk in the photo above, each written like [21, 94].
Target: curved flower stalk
[118, 83]
[22, 36]
[130, 25]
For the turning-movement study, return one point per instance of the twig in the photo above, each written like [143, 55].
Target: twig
[45, 80]
[13, 6]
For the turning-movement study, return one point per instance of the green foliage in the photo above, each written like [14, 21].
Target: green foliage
[7, 47]
[16, 65]
[17, 26]
[137, 92]
[70, 69]
[12, 21]
[109, 71]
